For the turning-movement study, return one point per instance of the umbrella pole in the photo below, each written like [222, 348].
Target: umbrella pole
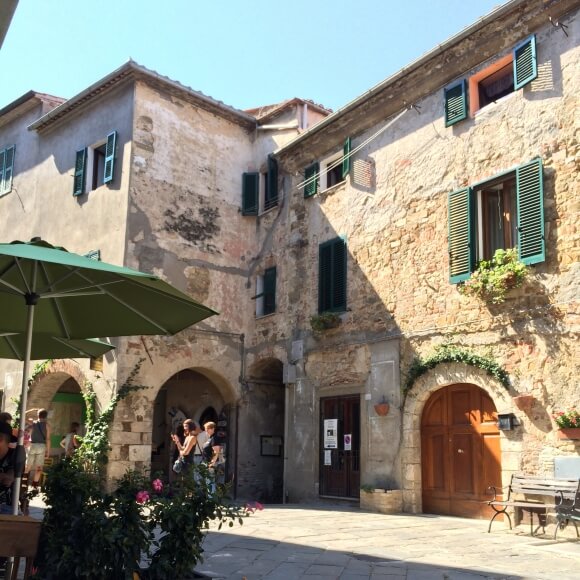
[20, 451]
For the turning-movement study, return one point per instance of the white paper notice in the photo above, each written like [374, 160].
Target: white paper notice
[327, 457]
[331, 433]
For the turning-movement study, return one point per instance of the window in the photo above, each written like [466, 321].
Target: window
[94, 255]
[506, 75]
[500, 213]
[266, 293]
[250, 190]
[332, 171]
[260, 190]
[332, 276]
[95, 165]
[6, 169]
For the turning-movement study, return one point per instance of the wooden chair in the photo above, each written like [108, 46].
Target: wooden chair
[19, 539]
[48, 462]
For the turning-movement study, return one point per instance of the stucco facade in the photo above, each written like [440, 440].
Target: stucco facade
[175, 209]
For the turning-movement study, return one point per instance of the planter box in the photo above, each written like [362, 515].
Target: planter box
[382, 501]
[568, 433]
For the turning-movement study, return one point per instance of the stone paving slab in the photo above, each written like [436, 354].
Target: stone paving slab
[322, 542]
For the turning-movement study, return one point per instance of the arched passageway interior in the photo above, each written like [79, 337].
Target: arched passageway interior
[188, 394]
[460, 451]
[67, 406]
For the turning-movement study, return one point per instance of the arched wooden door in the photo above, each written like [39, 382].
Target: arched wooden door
[460, 451]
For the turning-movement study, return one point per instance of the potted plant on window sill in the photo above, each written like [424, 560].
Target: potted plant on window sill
[568, 424]
[493, 279]
[324, 321]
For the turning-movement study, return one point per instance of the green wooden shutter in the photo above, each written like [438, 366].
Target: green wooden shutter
[270, 291]
[324, 277]
[250, 188]
[109, 170]
[456, 103]
[525, 63]
[80, 166]
[339, 275]
[271, 198]
[346, 158]
[2, 165]
[6, 182]
[311, 178]
[461, 235]
[530, 208]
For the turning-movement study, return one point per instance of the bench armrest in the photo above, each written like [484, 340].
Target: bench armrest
[492, 489]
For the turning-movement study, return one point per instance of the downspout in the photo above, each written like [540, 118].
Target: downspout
[237, 435]
[286, 429]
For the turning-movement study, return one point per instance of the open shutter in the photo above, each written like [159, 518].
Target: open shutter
[530, 199]
[270, 291]
[346, 158]
[250, 188]
[456, 103]
[525, 63]
[311, 179]
[6, 182]
[461, 246]
[79, 179]
[2, 164]
[339, 275]
[324, 277]
[110, 150]
[272, 183]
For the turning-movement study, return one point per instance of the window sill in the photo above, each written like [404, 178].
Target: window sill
[491, 106]
[262, 316]
[267, 211]
[332, 189]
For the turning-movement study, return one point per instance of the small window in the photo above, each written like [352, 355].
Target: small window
[6, 169]
[266, 293]
[96, 156]
[331, 171]
[95, 165]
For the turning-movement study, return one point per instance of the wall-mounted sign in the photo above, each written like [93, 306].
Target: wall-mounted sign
[347, 442]
[331, 433]
[327, 457]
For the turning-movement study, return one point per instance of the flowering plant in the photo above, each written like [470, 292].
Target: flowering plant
[567, 419]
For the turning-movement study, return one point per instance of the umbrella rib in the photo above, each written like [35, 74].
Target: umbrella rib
[129, 307]
[16, 290]
[28, 289]
[51, 285]
[13, 348]
[59, 314]
[71, 346]
[7, 284]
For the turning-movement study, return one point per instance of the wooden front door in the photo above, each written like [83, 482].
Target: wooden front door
[460, 451]
[339, 465]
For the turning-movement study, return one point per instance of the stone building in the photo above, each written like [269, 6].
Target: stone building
[333, 246]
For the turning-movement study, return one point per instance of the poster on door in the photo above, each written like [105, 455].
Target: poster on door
[347, 442]
[331, 433]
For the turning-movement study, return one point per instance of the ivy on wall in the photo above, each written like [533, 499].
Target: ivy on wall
[447, 353]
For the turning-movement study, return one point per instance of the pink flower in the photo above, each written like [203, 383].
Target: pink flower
[252, 506]
[142, 496]
[157, 485]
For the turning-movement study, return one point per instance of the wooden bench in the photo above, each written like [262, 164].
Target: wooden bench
[19, 539]
[567, 510]
[535, 495]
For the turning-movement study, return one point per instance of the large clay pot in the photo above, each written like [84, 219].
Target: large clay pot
[568, 433]
[382, 409]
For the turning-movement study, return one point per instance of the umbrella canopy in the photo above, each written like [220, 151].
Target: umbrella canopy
[47, 291]
[77, 297]
[13, 346]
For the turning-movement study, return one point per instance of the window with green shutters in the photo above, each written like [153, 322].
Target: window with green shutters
[525, 62]
[311, 179]
[271, 184]
[95, 165]
[346, 158]
[332, 266]
[110, 152]
[80, 166]
[500, 213]
[456, 103]
[6, 169]
[250, 191]
[266, 292]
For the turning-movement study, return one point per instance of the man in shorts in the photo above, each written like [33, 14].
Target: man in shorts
[39, 446]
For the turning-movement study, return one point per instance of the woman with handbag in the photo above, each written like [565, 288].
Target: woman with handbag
[187, 448]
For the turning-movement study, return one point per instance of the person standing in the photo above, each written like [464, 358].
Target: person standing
[7, 459]
[202, 437]
[6, 417]
[70, 441]
[211, 453]
[39, 446]
[186, 450]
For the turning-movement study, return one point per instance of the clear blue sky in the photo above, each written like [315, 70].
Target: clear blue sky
[245, 54]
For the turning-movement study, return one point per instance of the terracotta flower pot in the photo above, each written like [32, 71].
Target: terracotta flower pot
[524, 402]
[382, 409]
[568, 433]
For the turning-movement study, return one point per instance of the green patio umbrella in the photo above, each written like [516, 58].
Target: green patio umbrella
[13, 346]
[45, 290]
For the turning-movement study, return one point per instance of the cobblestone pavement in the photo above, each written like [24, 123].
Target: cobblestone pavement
[290, 542]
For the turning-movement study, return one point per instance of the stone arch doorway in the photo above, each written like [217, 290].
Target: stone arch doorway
[261, 421]
[58, 388]
[189, 394]
[460, 451]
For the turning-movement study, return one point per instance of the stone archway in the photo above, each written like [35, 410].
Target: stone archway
[444, 375]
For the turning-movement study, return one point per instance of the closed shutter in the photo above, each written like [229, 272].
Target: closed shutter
[271, 198]
[461, 240]
[80, 166]
[332, 276]
[110, 150]
[456, 103]
[311, 179]
[525, 63]
[530, 202]
[346, 158]
[6, 182]
[2, 164]
[250, 188]
[270, 291]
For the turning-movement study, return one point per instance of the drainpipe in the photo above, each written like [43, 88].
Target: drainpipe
[286, 429]
[237, 435]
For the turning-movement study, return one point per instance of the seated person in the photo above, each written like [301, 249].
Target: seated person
[7, 459]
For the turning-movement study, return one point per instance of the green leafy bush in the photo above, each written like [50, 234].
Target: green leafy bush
[324, 321]
[494, 278]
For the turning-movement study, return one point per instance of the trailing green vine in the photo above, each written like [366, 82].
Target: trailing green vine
[447, 353]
